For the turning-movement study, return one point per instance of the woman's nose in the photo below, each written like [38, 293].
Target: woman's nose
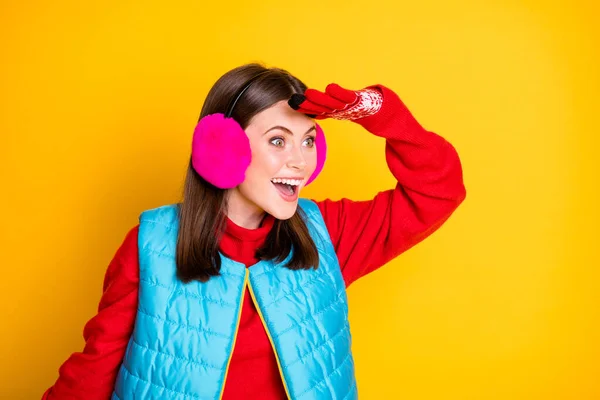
[296, 159]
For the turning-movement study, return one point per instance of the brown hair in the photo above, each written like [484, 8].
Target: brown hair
[203, 210]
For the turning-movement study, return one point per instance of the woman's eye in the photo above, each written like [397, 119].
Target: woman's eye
[309, 142]
[277, 142]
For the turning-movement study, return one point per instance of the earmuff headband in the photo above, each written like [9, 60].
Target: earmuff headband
[239, 95]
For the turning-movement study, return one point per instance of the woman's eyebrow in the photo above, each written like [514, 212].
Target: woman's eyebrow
[286, 130]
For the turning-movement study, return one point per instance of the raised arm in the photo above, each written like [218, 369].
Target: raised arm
[368, 234]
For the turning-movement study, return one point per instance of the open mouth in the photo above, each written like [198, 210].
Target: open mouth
[287, 187]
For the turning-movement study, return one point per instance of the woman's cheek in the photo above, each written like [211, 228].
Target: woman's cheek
[311, 160]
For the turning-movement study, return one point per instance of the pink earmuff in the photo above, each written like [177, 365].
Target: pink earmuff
[221, 149]
[321, 146]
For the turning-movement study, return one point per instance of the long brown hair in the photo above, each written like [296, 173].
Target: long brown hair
[203, 210]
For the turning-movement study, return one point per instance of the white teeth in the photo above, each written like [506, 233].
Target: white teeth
[292, 182]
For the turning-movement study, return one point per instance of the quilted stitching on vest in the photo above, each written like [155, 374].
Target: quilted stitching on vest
[184, 333]
[313, 342]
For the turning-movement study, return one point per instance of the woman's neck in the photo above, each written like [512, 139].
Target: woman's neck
[242, 212]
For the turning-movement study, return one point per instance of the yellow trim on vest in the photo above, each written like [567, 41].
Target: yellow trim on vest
[253, 296]
[237, 328]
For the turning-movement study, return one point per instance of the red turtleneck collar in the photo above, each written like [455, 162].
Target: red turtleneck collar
[240, 244]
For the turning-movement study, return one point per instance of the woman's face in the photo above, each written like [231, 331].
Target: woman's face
[284, 156]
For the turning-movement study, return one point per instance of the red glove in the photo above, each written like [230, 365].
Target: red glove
[338, 103]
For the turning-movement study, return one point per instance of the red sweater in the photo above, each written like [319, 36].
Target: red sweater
[365, 234]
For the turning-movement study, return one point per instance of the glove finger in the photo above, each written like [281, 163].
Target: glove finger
[344, 95]
[296, 100]
[323, 99]
[312, 114]
[312, 108]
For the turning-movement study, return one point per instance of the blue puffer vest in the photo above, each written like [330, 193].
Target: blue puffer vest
[184, 333]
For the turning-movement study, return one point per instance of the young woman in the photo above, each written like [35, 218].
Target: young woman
[239, 291]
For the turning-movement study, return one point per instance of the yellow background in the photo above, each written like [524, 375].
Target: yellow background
[98, 102]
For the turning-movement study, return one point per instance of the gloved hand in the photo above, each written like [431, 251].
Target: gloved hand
[338, 103]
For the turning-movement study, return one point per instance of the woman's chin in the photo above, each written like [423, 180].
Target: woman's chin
[284, 211]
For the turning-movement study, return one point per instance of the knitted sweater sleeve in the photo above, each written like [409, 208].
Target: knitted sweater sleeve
[429, 187]
[91, 373]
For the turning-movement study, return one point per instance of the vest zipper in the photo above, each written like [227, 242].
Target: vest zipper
[253, 297]
[237, 327]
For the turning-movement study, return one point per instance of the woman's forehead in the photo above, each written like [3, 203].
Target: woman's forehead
[283, 115]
